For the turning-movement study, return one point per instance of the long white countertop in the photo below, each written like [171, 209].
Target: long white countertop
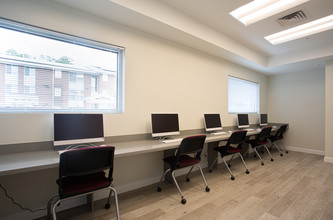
[38, 160]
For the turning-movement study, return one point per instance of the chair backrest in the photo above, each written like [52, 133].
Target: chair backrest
[192, 144]
[86, 161]
[280, 132]
[264, 134]
[237, 138]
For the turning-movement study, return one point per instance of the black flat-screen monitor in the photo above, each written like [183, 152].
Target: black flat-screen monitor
[164, 124]
[243, 121]
[212, 122]
[263, 121]
[78, 129]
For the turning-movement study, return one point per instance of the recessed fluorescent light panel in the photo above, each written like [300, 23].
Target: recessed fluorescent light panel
[313, 27]
[260, 9]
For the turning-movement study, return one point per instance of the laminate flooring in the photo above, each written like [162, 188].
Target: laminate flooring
[295, 186]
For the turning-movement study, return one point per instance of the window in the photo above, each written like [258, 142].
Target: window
[49, 71]
[57, 74]
[243, 96]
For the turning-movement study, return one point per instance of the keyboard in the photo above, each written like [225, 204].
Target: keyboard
[249, 129]
[172, 140]
[219, 133]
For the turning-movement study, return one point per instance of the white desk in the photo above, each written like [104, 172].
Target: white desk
[39, 160]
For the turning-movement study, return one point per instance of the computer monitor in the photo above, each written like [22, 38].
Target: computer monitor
[164, 124]
[70, 129]
[243, 121]
[212, 122]
[263, 120]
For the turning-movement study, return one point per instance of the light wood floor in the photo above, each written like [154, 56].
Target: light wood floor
[295, 186]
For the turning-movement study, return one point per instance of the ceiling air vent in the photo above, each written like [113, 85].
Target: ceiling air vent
[292, 18]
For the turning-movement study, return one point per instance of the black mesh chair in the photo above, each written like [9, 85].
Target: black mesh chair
[277, 138]
[232, 147]
[81, 172]
[261, 141]
[182, 159]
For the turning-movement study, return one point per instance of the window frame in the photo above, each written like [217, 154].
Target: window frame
[81, 41]
[257, 103]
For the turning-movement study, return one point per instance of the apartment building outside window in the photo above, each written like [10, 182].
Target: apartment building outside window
[55, 72]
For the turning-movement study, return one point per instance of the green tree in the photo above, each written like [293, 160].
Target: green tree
[13, 52]
[64, 60]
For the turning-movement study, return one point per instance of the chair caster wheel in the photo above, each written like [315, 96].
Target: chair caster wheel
[254, 155]
[287, 152]
[229, 165]
[281, 155]
[207, 189]
[262, 163]
[232, 178]
[210, 171]
[187, 179]
[159, 189]
[272, 159]
[107, 206]
[183, 201]
[247, 171]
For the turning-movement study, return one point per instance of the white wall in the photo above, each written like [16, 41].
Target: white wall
[328, 112]
[299, 99]
[161, 76]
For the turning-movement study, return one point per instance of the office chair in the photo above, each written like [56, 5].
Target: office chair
[278, 138]
[261, 141]
[237, 138]
[189, 145]
[81, 172]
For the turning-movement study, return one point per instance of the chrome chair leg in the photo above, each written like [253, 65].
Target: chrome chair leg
[225, 162]
[53, 209]
[230, 159]
[115, 201]
[204, 179]
[241, 157]
[255, 150]
[282, 144]
[187, 176]
[183, 201]
[281, 154]
[265, 146]
[162, 177]
[49, 206]
[246, 153]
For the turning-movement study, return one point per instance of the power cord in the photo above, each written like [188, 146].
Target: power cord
[15, 203]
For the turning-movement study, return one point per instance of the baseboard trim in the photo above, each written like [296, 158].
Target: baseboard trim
[306, 150]
[328, 159]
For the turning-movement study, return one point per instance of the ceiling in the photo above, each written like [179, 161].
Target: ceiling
[206, 25]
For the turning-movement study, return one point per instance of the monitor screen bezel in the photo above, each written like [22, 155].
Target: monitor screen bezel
[260, 120]
[76, 141]
[212, 129]
[166, 133]
[243, 125]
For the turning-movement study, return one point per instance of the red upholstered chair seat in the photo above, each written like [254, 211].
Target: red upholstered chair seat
[256, 143]
[73, 185]
[184, 160]
[234, 150]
